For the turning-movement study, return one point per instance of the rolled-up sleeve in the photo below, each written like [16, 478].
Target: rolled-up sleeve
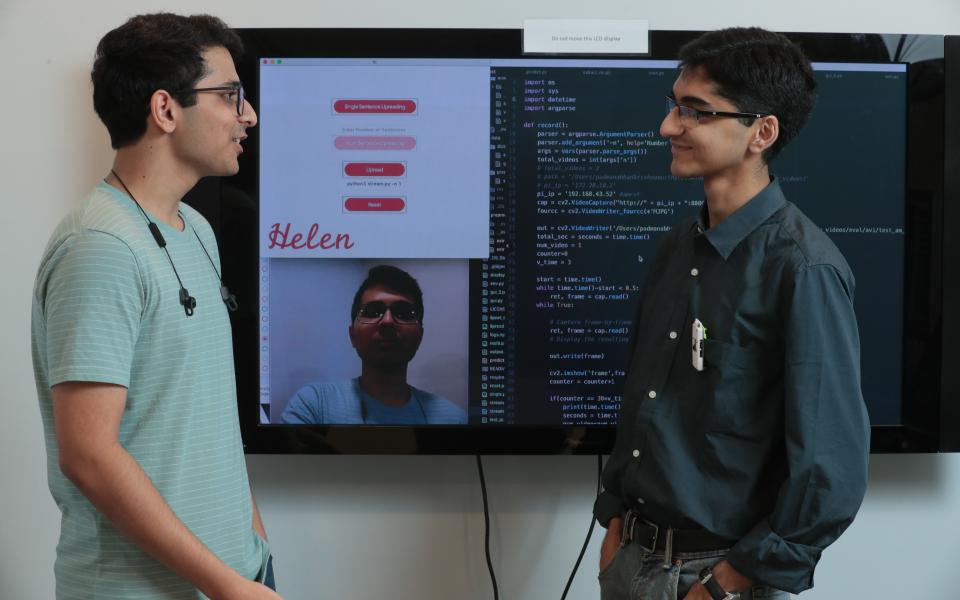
[608, 506]
[827, 435]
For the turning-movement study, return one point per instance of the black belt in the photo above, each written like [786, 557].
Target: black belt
[656, 539]
[666, 540]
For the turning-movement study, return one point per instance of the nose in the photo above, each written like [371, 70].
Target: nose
[671, 125]
[249, 116]
[387, 318]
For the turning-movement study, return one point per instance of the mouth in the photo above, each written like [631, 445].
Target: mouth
[237, 141]
[677, 148]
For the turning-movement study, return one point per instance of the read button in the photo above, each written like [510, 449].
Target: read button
[374, 204]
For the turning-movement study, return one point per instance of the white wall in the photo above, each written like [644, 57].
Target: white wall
[395, 527]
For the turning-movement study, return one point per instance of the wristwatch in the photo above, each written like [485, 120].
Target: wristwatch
[713, 587]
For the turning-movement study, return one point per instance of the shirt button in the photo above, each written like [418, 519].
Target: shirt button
[652, 394]
[673, 335]
[636, 453]
[641, 501]
[694, 271]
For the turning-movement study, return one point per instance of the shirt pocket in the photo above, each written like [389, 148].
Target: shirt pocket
[741, 400]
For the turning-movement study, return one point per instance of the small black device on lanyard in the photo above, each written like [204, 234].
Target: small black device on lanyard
[188, 302]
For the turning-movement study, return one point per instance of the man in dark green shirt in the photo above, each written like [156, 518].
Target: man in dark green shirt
[743, 439]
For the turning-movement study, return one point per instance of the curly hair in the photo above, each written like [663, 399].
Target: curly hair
[149, 53]
[758, 71]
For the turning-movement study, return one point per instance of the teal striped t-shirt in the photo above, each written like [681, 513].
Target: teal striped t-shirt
[106, 309]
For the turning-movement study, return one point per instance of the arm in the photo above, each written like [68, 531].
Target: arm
[257, 521]
[611, 541]
[826, 436]
[304, 407]
[87, 419]
[609, 507]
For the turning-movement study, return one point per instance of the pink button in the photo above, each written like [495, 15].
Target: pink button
[374, 204]
[375, 142]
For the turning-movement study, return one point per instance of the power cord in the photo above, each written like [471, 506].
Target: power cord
[586, 542]
[486, 529]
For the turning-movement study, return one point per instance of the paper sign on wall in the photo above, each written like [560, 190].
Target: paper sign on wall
[586, 36]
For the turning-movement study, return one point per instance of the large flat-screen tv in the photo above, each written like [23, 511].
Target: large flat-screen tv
[526, 195]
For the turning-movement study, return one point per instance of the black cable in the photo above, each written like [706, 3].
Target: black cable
[586, 542]
[186, 300]
[486, 526]
[155, 231]
[898, 53]
[229, 299]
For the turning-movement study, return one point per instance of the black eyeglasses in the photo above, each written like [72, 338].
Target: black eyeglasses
[690, 116]
[402, 312]
[231, 93]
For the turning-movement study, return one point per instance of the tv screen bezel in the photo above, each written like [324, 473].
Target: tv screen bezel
[231, 205]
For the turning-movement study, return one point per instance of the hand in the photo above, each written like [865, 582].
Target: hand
[729, 579]
[698, 592]
[611, 542]
[251, 590]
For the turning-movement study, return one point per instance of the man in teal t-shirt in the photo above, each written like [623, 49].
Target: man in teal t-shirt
[131, 339]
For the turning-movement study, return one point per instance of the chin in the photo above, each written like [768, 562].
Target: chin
[228, 170]
[392, 363]
[685, 171]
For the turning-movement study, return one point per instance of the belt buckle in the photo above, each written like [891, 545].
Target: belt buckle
[656, 535]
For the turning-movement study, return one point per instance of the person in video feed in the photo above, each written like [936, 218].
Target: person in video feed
[386, 328]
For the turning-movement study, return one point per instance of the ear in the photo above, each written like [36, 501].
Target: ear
[350, 332]
[164, 111]
[767, 133]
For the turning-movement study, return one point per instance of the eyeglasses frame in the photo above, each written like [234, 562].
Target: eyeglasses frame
[237, 87]
[697, 113]
[389, 307]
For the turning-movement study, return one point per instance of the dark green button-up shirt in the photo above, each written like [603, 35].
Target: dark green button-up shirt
[767, 446]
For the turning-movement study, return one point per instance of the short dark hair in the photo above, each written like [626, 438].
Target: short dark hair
[758, 71]
[391, 277]
[149, 53]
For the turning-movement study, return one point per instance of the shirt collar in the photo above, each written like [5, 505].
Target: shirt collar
[734, 229]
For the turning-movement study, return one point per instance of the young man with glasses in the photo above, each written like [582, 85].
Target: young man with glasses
[134, 372]
[386, 328]
[743, 438]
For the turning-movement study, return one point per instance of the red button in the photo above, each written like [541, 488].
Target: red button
[374, 204]
[374, 169]
[367, 107]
